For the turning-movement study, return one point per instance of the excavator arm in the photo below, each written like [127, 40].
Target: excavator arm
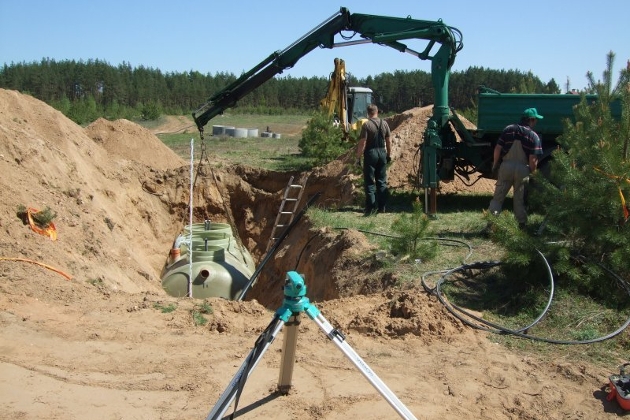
[383, 30]
[335, 101]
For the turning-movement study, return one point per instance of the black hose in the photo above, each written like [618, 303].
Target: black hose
[275, 246]
[487, 265]
[495, 328]
[489, 326]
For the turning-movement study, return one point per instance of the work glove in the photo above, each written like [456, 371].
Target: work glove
[389, 159]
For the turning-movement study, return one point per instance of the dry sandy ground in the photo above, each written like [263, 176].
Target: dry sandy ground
[99, 346]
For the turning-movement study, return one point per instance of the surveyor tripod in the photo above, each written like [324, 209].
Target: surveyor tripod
[295, 302]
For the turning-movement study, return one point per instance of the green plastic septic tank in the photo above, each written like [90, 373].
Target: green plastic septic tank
[220, 267]
[214, 274]
[215, 239]
[208, 227]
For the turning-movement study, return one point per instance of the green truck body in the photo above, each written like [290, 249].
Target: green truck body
[498, 110]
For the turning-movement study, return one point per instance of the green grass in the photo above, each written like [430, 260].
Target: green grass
[459, 230]
[510, 299]
[200, 311]
[572, 317]
[165, 309]
[279, 154]
[198, 318]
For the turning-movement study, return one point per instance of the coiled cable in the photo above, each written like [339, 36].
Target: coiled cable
[465, 316]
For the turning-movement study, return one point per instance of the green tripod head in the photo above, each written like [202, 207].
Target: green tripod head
[295, 300]
[294, 287]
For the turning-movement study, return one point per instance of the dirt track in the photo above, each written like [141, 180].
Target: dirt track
[99, 345]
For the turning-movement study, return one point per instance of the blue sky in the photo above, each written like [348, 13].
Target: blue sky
[552, 39]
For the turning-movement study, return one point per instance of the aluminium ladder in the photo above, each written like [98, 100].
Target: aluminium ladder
[286, 213]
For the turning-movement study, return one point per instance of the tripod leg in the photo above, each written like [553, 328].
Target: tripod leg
[288, 354]
[235, 387]
[338, 338]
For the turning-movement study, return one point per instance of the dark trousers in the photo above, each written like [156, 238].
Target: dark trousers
[375, 179]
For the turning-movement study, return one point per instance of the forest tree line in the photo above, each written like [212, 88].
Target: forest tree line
[87, 90]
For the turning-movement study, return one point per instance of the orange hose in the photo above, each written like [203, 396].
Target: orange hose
[49, 231]
[67, 276]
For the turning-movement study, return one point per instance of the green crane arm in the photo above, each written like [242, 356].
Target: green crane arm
[383, 30]
[276, 63]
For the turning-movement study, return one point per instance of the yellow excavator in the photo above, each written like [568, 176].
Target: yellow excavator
[347, 104]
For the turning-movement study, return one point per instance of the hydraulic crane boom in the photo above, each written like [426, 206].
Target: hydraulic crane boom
[383, 30]
[439, 146]
[276, 63]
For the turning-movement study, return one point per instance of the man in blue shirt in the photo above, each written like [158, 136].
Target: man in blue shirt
[515, 158]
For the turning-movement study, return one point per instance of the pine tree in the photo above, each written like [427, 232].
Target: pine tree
[322, 140]
[411, 239]
[587, 224]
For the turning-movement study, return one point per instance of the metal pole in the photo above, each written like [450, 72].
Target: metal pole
[433, 201]
[251, 361]
[369, 374]
[190, 219]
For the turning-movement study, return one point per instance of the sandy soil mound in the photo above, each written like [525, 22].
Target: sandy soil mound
[109, 343]
[407, 130]
[124, 139]
[109, 229]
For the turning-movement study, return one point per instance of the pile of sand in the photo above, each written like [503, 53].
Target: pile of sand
[127, 140]
[407, 130]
